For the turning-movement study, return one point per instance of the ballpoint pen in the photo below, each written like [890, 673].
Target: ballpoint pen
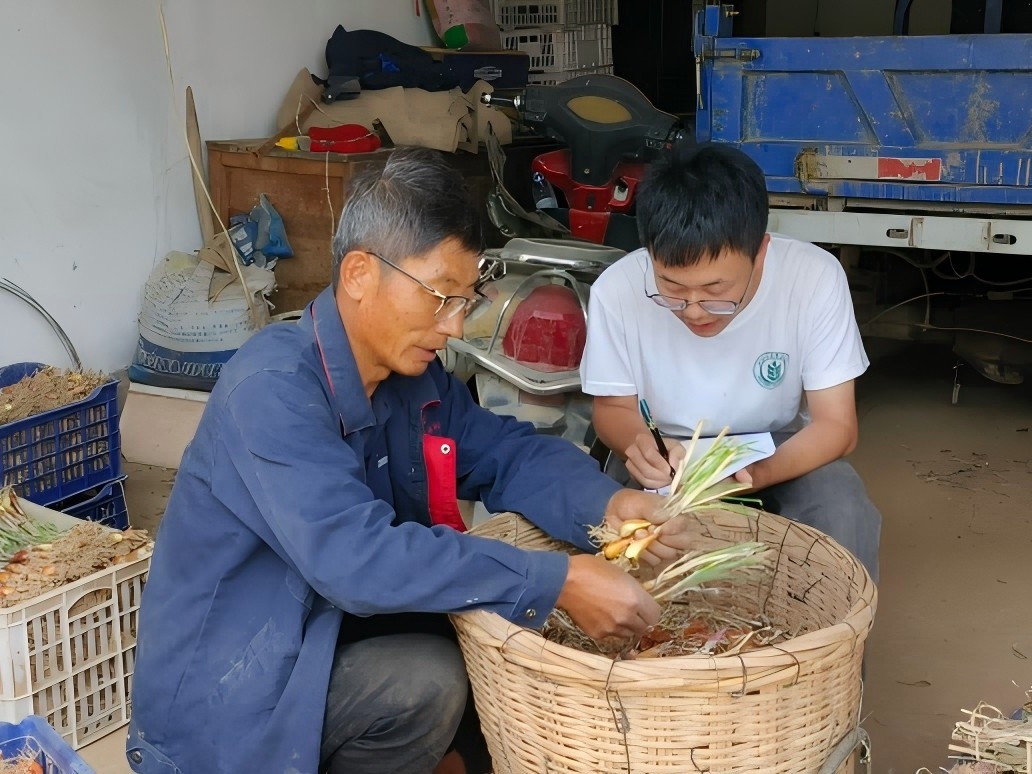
[643, 407]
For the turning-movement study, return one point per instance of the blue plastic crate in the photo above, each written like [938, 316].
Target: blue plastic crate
[34, 737]
[105, 505]
[64, 451]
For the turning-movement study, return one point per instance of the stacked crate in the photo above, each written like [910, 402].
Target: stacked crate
[563, 38]
[67, 458]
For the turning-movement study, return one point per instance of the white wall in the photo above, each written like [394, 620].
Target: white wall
[94, 178]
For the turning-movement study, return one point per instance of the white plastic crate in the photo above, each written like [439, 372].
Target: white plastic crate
[594, 45]
[559, 50]
[551, 79]
[69, 655]
[512, 14]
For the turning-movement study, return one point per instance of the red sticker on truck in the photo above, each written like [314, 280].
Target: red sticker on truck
[909, 169]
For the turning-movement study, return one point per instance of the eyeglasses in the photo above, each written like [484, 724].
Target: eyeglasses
[675, 304]
[450, 306]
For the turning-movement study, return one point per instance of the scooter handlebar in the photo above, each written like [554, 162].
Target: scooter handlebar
[495, 101]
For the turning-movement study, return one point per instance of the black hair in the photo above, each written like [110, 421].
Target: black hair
[700, 200]
[406, 208]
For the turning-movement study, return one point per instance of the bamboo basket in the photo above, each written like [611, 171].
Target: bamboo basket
[549, 708]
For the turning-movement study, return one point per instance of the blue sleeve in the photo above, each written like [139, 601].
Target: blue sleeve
[284, 443]
[509, 467]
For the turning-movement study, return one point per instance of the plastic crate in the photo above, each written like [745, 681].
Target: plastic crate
[69, 655]
[560, 50]
[64, 451]
[511, 14]
[104, 505]
[34, 737]
[551, 79]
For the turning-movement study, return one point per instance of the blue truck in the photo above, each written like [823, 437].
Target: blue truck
[916, 146]
[938, 124]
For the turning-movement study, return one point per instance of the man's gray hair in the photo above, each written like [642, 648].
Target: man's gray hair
[405, 209]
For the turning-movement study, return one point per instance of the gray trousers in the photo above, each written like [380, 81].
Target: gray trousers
[394, 705]
[831, 499]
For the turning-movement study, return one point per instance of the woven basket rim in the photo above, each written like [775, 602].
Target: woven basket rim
[515, 639]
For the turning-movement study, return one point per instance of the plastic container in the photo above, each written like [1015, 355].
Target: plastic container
[69, 655]
[64, 451]
[34, 737]
[104, 505]
[520, 13]
[561, 50]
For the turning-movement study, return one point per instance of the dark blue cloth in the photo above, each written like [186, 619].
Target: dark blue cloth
[299, 499]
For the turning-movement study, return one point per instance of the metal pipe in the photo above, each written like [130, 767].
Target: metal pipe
[17, 292]
[993, 17]
[551, 386]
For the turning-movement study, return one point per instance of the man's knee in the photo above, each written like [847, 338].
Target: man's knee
[842, 488]
[834, 500]
[432, 696]
[834, 481]
[394, 704]
[437, 692]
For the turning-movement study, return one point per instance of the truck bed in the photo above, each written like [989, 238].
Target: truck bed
[932, 119]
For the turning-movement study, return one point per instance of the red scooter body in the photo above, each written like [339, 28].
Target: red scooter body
[591, 205]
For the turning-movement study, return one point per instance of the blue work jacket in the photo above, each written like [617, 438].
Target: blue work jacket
[301, 503]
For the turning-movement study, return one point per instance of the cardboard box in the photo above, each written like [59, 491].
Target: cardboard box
[158, 422]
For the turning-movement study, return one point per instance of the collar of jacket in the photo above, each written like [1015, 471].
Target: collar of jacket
[341, 371]
[338, 363]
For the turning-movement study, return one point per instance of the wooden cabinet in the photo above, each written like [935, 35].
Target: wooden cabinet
[307, 189]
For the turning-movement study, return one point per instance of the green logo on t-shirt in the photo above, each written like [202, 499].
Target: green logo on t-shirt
[770, 368]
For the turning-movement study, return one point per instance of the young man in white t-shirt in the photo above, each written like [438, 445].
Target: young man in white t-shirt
[717, 321]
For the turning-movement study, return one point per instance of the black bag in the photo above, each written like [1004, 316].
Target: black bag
[382, 62]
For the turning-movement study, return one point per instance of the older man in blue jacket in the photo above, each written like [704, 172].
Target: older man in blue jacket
[315, 514]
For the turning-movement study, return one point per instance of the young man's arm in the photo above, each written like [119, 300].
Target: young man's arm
[619, 424]
[831, 435]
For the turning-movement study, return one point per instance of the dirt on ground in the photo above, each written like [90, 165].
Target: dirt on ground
[47, 389]
[954, 485]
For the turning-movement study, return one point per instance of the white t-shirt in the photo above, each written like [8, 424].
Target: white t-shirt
[798, 333]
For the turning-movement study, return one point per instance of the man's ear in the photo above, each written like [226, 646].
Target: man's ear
[358, 276]
[762, 252]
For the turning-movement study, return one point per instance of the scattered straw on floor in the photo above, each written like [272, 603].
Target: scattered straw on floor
[47, 389]
[988, 735]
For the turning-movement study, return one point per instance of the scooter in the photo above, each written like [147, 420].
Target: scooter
[521, 351]
[586, 190]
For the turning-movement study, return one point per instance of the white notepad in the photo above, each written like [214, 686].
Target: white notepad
[762, 446]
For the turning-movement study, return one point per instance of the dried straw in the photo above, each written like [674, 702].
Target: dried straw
[988, 735]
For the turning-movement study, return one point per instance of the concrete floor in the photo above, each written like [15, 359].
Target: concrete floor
[954, 483]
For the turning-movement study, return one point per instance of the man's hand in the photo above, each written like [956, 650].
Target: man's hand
[674, 539]
[605, 601]
[631, 505]
[647, 465]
